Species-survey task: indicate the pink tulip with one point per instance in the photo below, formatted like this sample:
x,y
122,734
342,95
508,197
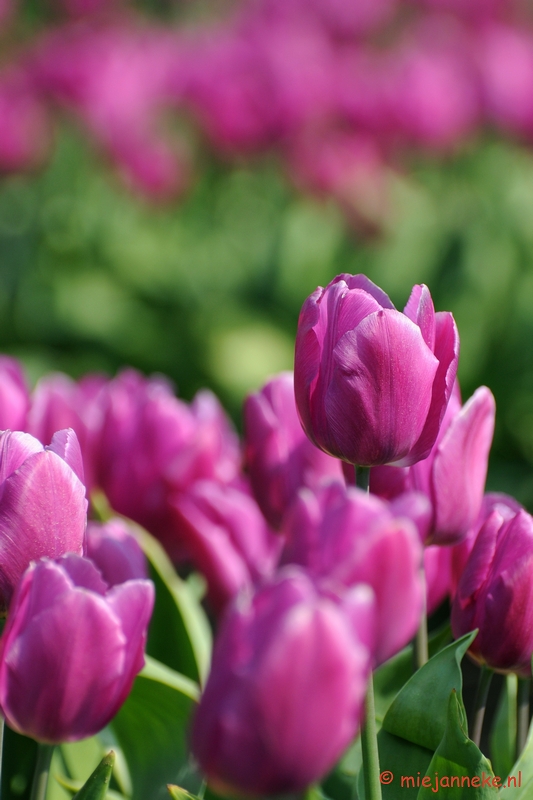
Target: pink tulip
x,y
226,538
495,594
345,537
60,402
279,456
285,692
114,549
372,384
71,649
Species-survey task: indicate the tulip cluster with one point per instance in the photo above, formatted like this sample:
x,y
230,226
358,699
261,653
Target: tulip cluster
x,y
314,582
341,89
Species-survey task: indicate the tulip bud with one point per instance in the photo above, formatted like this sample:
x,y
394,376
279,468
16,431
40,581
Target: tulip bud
x,y
71,649
42,503
154,445
285,693
453,475
505,505
279,456
495,594
226,537
113,548
372,384
59,402
344,537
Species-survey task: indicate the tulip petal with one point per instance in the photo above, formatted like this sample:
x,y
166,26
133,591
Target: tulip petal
x,y
43,513
447,353
66,445
421,311
383,424
460,468
15,447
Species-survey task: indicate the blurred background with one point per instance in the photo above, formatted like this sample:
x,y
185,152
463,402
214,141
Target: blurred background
x,y
176,176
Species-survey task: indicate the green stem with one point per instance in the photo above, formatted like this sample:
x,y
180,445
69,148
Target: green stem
x,y
485,677
421,640
42,770
522,714
369,744
362,478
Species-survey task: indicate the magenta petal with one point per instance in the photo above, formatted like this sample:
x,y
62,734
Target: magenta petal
x,y
375,426
460,467
43,513
361,281
421,311
447,353
15,447
66,445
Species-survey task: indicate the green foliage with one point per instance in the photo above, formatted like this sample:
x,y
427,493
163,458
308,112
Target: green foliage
x,y
96,786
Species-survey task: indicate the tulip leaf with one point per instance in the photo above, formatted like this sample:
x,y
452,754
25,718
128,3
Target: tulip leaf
x,y
177,793
503,734
419,712
95,788
519,784
179,633
458,768
152,727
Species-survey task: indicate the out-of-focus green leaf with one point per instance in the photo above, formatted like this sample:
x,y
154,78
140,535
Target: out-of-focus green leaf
x,y
152,729
419,713
177,793
179,634
458,768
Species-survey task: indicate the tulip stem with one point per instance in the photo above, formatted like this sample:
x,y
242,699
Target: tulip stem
x,y
522,714
369,745
362,478
480,703
42,770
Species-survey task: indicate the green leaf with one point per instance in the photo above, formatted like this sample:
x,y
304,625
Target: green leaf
x,y
519,784
177,793
179,633
419,712
503,735
458,770
97,784
152,728
397,759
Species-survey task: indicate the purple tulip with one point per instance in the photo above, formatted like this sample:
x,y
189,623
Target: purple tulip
x,y
495,594
372,384
14,396
226,536
42,503
506,506
453,475
285,692
59,402
114,549
154,446
345,537
71,649
279,456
